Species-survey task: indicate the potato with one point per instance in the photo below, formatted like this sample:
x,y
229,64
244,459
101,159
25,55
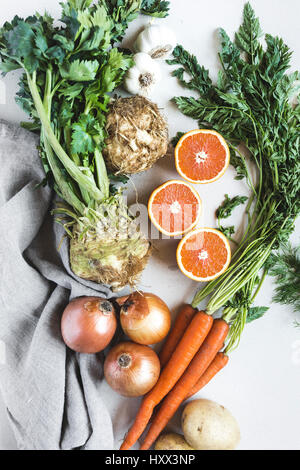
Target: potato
x,y
209,426
171,441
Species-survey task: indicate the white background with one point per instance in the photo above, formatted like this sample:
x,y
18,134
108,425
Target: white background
x,y
261,384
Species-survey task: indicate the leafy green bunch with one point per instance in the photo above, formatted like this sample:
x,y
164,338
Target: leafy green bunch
x,y
70,70
255,106
285,267
69,73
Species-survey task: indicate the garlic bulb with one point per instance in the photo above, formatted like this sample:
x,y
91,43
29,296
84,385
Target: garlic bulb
x,y
142,78
156,40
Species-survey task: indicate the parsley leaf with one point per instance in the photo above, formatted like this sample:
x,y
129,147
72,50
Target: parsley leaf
x,y
227,231
156,8
248,35
225,211
255,312
200,80
229,204
176,138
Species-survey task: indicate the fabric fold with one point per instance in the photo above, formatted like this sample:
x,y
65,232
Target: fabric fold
x,y
52,394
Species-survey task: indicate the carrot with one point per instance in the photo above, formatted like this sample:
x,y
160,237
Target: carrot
x,y
181,323
220,361
188,346
197,367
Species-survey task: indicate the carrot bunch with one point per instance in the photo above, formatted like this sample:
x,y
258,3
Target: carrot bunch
x,y
190,358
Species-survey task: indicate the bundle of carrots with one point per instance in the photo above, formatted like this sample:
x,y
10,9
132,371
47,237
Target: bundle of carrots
x,y
190,358
251,104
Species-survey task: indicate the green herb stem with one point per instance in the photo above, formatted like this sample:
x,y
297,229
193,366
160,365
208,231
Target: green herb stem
x,y
251,106
70,166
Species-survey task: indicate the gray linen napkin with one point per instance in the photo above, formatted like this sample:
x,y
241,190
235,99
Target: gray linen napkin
x,y
52,395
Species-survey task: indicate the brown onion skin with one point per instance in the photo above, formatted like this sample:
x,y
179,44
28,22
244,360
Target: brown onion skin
x,y
88,324
145,318
137,377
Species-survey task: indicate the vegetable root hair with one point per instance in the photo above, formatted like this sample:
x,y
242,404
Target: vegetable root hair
x,y
137,135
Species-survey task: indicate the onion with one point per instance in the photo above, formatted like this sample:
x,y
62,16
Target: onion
x,y
145,318
88,324
131,369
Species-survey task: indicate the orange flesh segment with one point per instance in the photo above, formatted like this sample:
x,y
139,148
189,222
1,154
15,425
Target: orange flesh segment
x,y
204,254
175,207
201,156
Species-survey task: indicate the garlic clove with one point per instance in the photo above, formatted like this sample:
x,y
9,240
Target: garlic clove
x,y
144,62
156,40
133,73
131,86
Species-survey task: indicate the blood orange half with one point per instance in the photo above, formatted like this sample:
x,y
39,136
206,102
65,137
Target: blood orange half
x,y
203,254
202,156
174,207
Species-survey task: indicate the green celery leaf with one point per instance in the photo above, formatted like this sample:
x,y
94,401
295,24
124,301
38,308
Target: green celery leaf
x,y
98,18
80,71
65,114
7,66
117,60
56,53
20,41
101,19
69,92
64,42
83,134
98,39
41,42
70,19
32,126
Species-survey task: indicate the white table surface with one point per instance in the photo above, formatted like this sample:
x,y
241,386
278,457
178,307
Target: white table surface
x,y
261,384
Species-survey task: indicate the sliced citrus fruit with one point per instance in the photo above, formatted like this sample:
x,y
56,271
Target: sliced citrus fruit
x,y
203,254
202,156
174,207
